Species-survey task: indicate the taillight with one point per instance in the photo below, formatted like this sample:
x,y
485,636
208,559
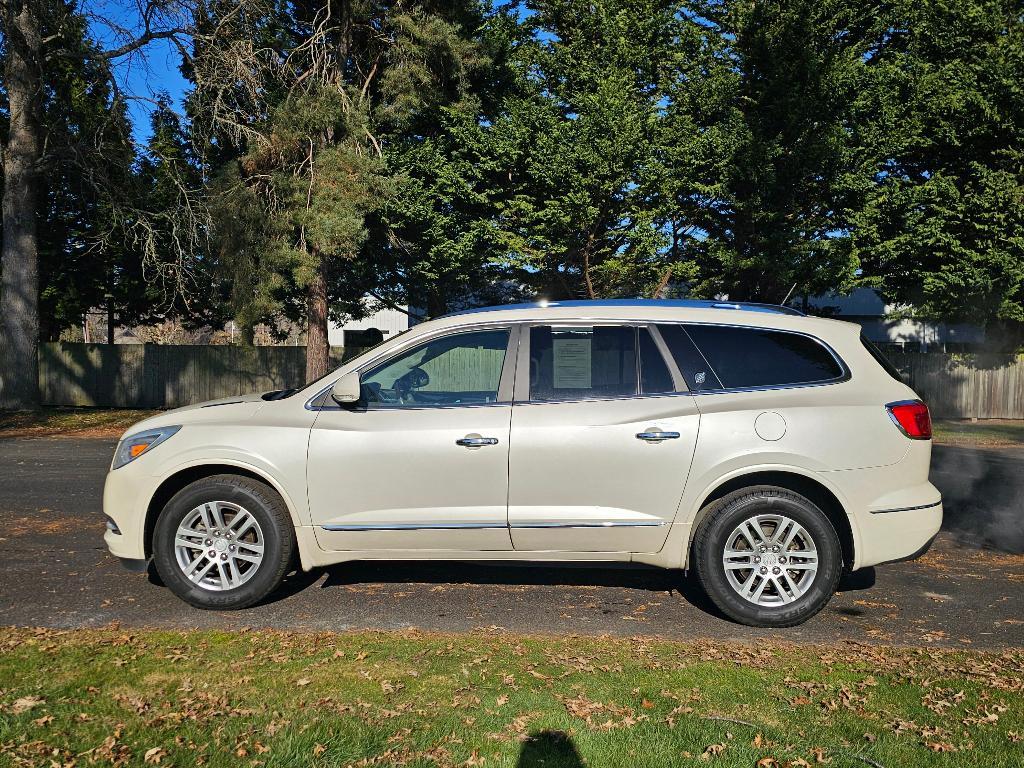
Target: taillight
x,y
912,417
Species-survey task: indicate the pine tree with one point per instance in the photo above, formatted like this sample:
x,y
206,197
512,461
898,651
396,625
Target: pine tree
x,y
788,169
326,94
577,146
66,157
943,227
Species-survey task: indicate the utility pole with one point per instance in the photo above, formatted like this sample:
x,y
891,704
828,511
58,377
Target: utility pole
x,y
110,317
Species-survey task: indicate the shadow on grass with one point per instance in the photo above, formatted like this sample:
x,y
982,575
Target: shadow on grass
x,y
550,749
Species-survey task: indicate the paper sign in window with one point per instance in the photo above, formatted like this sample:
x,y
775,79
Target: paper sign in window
x,y
572,362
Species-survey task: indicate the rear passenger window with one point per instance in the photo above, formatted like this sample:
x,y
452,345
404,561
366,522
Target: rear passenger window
x,y
757,357
695,369
580,362
654,375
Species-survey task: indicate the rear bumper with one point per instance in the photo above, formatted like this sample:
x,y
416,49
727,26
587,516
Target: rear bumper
x,y
915,555
900,533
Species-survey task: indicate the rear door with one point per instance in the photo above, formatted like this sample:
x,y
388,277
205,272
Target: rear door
x,y
603,433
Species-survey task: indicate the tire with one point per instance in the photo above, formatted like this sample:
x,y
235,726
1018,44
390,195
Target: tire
x,y
786,599
233,578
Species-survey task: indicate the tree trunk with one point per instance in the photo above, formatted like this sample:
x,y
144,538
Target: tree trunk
x,y
318,349
19,293
437,305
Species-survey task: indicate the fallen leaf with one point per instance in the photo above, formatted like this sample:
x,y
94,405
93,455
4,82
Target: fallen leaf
x,y
25,703
713,750
819,756
154,755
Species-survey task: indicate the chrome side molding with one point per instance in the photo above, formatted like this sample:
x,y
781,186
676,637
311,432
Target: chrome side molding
x,y
491,526
597,524
415,526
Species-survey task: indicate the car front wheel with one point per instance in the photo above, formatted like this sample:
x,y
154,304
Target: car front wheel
x,y
223,542
768,557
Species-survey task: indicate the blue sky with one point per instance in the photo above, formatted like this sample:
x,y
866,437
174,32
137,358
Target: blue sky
x,y
148,74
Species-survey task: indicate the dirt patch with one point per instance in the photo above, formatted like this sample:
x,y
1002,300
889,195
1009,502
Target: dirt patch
x,y
95,423
49,526
975,562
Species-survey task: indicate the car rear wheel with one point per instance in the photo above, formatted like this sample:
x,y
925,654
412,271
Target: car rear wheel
x,y
223,542
767,557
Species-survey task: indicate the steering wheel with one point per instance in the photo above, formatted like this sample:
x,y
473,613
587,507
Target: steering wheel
x,y
404,385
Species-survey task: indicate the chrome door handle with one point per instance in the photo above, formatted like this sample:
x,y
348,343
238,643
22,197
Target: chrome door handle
x,y
656,437
476,442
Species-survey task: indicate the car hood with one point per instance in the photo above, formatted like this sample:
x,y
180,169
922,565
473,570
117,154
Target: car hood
x,y
237,407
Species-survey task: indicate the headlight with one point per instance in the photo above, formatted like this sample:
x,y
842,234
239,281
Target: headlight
x,y
134,446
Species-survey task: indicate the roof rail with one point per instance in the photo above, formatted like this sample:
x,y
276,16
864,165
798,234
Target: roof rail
x,y
746,306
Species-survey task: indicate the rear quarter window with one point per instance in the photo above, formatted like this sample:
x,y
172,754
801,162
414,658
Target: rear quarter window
x,y
757,357
881,359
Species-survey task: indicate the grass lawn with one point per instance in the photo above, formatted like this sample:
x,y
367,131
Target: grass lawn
x,y
492,699
989,433
73,422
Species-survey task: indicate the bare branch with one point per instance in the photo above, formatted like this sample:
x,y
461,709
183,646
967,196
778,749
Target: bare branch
x,y
140,42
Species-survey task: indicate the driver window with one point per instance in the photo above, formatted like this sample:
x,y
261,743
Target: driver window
x,y
458,369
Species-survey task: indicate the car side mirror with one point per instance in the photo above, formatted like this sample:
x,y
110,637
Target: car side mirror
x,y
347,389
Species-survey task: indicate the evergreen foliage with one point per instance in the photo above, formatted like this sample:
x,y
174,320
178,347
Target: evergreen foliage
x,y
435,153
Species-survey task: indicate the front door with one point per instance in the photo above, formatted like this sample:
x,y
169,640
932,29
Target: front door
x,y
602,440
421,462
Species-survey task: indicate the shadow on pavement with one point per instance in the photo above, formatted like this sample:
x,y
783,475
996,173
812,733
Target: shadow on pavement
x,y
444,572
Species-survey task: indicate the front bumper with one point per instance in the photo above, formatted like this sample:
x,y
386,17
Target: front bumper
x,y
124,495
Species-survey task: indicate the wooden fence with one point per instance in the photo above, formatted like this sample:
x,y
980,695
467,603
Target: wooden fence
x,y
984,386
165,376
965,386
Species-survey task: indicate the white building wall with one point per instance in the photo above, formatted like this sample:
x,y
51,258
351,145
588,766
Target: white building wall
x,y
390,322
865,307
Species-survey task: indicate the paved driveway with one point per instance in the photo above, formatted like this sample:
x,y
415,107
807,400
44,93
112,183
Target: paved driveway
x,y
968,591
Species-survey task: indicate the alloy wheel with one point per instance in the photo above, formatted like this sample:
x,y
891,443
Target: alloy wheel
x,y
770,560
219,546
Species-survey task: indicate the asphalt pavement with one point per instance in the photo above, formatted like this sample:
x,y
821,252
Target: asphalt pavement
x,y
968,591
